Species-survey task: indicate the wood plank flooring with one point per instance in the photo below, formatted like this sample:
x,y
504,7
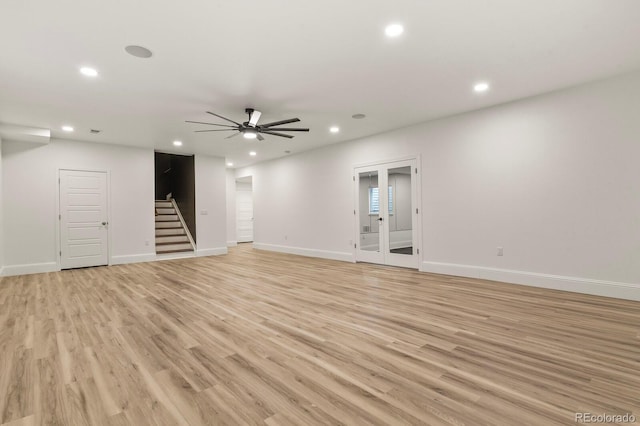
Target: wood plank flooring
x,y
272,339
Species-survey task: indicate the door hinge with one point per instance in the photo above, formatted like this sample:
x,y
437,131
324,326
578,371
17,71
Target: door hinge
x,y
354,178
416,211
416,170
60,253
418,251
355,246
354,212
59,217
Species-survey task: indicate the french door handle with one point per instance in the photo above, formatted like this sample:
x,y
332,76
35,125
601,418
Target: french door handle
x,y
380,219
105,223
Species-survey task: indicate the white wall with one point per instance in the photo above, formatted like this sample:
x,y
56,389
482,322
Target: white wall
x,y
1,219
211,205
552,179
30,191
232,240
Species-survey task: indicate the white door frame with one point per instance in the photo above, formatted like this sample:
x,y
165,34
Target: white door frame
x,y
58,212
382,257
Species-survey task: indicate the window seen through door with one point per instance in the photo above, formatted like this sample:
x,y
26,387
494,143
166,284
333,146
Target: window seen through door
x,y
374,200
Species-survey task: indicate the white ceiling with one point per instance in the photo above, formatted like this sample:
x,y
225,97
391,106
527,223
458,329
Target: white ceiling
x,y
321,61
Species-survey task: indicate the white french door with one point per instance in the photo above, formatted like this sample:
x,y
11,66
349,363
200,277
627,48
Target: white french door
x,y
387,213
83,219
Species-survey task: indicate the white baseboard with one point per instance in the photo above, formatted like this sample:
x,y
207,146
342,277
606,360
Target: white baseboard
x,y
217,251
33,268
133,258
324,254
232,243
557,282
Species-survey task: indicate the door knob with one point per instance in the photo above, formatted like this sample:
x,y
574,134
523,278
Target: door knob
x,y
380,219
105,223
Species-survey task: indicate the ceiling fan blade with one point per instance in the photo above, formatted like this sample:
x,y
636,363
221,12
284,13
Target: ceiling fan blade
x,y
232,136
217,130
282,129
210,124
266,132
259,136
255,116
224,118
277,123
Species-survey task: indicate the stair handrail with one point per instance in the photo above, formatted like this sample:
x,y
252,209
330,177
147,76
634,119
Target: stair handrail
x,y
184,225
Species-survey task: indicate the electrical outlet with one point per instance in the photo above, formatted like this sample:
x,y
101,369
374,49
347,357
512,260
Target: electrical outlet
x,y
500,251
204,212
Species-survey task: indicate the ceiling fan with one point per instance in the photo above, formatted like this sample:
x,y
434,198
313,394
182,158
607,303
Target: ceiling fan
x,y
250,129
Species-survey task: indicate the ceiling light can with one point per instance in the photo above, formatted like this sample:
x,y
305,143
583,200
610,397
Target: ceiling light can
x,y
394,30
89,72
481,87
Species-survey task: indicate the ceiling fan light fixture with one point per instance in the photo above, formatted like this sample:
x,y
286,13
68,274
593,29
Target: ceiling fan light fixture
x,y
249,134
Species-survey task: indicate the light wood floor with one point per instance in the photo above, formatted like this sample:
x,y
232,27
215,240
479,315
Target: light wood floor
x,y
265,338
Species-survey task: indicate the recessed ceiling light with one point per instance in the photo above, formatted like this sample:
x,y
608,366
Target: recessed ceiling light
x,y
481,87
67,128
138,51
177,143
253,153
229,164
89,72
334,129
358,116
394,30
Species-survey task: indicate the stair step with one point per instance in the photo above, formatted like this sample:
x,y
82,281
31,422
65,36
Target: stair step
x,y
166,217
168,225
169,231
162,210
163,204
172,239
166,248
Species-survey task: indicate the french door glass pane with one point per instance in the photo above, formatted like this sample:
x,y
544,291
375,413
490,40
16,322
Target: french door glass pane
x,y
399,232
369,199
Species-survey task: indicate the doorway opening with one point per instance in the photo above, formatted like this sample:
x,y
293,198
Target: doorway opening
x,y
175,205
244,209
387,213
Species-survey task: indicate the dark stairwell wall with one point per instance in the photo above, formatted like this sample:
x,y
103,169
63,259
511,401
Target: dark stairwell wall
x,y
175,174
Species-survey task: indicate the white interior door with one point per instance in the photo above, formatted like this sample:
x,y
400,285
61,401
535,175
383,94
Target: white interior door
x,y
387,214
244,213
83,219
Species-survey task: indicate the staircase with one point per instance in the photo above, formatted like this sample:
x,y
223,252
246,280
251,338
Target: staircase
x,y
171,233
